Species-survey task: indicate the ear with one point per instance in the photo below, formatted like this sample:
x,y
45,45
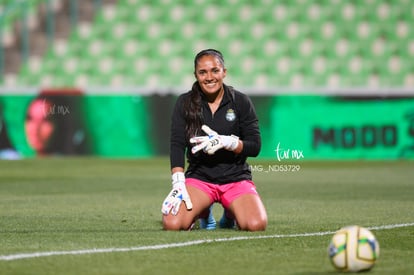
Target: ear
x,y
224,72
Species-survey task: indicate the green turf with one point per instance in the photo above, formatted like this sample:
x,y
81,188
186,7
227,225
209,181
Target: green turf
x,y
57,204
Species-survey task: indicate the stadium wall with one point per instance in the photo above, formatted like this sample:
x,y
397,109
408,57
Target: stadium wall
x,y
294,127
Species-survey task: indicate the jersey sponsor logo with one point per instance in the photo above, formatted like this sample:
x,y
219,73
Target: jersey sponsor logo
x,y
230,115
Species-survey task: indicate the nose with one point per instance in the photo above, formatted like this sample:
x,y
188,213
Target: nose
x,y
209,76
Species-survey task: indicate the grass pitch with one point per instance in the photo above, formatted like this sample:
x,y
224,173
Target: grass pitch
x,y
102,216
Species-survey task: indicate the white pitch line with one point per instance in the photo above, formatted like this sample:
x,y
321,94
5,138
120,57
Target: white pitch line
x,y
13,257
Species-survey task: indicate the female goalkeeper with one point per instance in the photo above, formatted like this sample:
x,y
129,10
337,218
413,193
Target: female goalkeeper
x,y
216,127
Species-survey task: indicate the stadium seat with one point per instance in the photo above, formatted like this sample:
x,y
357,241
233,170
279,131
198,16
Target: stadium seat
x,y
265,43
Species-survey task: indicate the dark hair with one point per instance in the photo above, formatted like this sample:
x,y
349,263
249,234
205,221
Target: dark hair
x,y
192,105
212,52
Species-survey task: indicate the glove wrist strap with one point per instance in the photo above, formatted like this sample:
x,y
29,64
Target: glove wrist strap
x,y
178,177
234,143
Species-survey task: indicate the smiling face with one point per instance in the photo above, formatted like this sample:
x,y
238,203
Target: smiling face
x,y
210,72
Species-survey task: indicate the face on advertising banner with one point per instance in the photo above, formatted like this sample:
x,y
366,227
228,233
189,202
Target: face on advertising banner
x,y
53,125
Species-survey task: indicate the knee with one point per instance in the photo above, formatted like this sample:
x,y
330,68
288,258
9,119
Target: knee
x,y
170,224
252,225
173,224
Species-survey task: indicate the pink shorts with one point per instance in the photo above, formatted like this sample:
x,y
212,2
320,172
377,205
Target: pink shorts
x,y
226,193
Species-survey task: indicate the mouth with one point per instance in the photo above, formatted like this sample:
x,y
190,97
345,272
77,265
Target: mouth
x,y
210,85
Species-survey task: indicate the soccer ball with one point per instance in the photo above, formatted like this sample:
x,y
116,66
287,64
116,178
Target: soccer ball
x,y
353,248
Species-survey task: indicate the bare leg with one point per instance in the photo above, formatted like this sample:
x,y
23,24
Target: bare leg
x,y
185,218
249,212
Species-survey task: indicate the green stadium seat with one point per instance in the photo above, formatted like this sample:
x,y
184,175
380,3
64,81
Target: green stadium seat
x,y
275,43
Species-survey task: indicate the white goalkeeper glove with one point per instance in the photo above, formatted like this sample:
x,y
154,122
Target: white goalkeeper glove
x,y
178,194
213,142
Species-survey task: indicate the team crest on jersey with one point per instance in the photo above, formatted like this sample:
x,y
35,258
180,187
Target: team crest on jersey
x,y
230,115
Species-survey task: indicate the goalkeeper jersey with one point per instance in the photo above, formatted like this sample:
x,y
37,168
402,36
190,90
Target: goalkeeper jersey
x,y
236,115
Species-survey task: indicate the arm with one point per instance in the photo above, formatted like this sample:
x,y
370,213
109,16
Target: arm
x,y
249,128
178,141
239,147
177,145
177,169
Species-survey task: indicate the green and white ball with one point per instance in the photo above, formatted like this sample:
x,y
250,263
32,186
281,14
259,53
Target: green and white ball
x,y
353,248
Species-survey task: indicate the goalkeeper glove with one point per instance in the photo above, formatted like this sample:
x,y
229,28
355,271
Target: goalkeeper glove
x,y
178,194
213,142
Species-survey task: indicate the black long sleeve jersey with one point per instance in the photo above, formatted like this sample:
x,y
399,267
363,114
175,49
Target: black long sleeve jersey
x,y
236,115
